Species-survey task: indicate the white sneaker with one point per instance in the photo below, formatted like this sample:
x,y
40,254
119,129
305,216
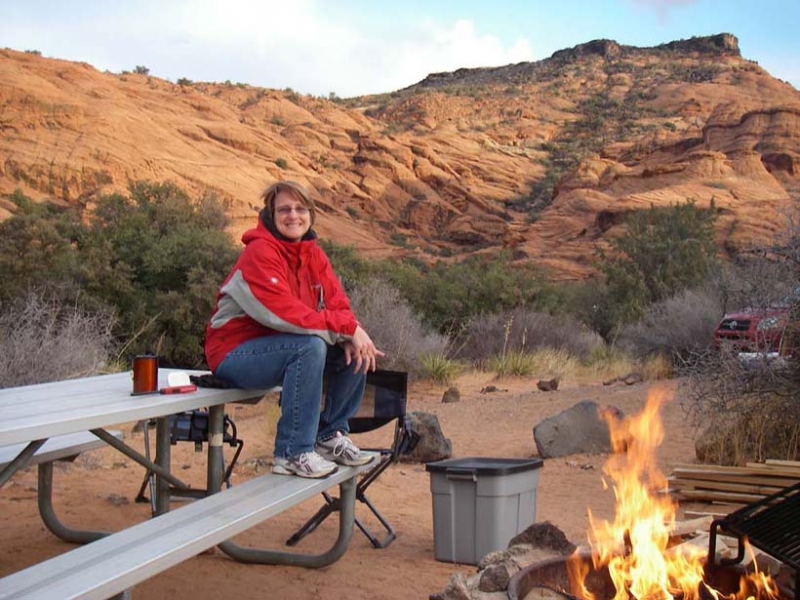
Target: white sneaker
x,y
307,464
341,449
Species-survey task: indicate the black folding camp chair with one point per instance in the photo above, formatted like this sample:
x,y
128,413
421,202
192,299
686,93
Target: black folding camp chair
x,y
190,426
384,402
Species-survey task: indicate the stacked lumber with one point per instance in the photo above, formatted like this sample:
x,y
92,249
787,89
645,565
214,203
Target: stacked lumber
x,y
732,485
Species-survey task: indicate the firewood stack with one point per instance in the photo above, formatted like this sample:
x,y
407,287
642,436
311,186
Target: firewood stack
x,y
732,485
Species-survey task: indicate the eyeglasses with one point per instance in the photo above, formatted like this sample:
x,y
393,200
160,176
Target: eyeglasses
x,y
285,211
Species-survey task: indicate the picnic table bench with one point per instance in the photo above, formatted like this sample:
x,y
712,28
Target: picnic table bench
x,y
109,566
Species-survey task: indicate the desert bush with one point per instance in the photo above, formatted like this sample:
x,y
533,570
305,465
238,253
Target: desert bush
x,y
662,252
525,330
439,368
745,407
655,367
45,340
351,269
394,328
606,362
752,434
679,326
754,280
38,250
610,362
742,409
155,257
166,254
549,363
512,364
449,295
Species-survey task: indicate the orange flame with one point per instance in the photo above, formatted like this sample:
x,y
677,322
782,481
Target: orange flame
x,y
634,547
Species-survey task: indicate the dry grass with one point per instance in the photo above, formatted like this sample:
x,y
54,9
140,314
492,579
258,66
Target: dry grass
x,y
438,368
559,364
42,340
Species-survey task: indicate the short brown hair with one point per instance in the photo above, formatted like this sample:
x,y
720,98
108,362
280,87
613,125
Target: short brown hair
x,y
295,190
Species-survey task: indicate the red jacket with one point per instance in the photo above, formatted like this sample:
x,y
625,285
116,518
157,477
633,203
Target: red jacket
x,y
278,287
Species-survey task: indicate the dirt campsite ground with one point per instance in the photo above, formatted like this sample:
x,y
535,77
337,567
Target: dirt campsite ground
x,y
98,490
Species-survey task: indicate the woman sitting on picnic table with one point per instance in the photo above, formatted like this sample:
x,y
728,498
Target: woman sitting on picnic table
x,y
282,318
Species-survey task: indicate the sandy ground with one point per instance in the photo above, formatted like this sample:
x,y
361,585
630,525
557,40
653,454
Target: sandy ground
x,y
98,491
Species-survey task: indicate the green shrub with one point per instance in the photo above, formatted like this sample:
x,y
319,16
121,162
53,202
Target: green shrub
x,y
449,295
155,258
281,163
39,250
662,252
437,367
351,269
398,239
512,364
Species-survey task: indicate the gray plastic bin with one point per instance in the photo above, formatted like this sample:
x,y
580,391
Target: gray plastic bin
x,y
479,504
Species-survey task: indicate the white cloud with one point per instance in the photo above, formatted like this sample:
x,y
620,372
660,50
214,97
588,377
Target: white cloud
x,y
293,44
408,56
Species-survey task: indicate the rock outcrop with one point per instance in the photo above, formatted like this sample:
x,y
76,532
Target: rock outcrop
x,y
462,162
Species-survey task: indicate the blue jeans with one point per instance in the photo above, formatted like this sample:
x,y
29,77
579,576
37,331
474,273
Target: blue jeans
x,y
298,363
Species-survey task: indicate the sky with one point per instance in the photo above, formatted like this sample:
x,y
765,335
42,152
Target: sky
x,y
356,47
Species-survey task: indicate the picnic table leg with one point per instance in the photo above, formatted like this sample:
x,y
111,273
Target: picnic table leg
x,y
20,461
347,511
162,494
216,458
48,514
347,496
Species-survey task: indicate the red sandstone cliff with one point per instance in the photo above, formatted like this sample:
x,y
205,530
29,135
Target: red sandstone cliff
x,y
453,165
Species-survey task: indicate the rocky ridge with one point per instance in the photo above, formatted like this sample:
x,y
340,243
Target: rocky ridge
x,y
543,159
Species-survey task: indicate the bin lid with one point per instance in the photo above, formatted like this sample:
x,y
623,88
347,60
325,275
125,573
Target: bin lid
x,y
485,466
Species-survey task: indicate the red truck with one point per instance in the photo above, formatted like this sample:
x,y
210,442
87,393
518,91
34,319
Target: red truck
x,y
754,330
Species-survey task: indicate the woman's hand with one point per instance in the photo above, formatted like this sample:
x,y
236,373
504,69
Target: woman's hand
x,y
362,351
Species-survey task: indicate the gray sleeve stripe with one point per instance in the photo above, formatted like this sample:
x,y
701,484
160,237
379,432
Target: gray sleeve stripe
x,y
240,293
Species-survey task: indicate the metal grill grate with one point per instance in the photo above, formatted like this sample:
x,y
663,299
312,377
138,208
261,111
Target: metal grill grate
x,y
771,524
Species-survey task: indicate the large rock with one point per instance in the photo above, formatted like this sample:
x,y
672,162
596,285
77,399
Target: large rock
x,y
432,444
577,430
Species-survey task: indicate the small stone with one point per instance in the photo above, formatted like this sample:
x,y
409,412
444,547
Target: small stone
x,y
451,395
633,379
548,385
117,499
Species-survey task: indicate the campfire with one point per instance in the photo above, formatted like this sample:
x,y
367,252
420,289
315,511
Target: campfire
x,y
634,556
